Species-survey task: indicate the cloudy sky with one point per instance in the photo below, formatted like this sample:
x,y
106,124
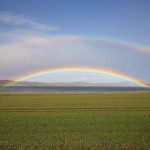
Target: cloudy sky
x,y
41,34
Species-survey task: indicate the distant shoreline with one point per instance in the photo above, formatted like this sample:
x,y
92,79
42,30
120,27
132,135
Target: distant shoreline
x,y
68,93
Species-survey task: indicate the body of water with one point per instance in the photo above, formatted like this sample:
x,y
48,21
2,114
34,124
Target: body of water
x,y
70,89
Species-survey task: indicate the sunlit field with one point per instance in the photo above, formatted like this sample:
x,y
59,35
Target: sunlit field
x,y
75,121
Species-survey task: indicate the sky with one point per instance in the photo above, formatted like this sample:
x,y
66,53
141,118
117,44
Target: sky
x,y
41,34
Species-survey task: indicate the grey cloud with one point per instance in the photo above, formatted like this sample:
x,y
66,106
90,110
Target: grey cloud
x,y
20,20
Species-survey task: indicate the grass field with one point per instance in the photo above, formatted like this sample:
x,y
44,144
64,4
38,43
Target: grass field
x,y
75,121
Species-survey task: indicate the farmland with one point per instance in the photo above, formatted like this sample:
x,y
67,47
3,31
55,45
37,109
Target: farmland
x,y
75,121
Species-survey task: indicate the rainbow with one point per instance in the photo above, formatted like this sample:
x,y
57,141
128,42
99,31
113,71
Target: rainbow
x,y
78,69
64,38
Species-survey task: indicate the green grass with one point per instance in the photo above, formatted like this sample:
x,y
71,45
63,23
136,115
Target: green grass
x,y
75,121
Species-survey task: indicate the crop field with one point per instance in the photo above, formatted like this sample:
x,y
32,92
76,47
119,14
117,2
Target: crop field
x,y
87,121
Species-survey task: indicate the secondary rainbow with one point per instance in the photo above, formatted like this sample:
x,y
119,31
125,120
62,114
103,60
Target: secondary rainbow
x,y
78,69
67,38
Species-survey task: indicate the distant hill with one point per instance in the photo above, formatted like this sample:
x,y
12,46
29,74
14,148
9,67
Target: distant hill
x,y
26,83
3,82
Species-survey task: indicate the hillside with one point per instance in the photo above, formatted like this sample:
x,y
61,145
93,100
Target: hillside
x,y
26,83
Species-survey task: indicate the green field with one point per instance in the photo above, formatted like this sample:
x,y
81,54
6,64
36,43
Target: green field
x,y
75,121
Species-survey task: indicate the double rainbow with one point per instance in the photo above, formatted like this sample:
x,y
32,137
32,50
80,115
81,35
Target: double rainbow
x,y
80,70
63,38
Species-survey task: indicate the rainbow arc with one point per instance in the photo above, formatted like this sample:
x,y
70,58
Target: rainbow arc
x,y
68,38
78,69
